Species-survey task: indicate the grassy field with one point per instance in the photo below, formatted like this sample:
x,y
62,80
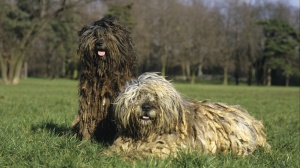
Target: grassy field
x,y
36,116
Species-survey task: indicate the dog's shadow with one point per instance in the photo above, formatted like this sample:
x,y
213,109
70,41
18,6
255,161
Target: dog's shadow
x,y
52,127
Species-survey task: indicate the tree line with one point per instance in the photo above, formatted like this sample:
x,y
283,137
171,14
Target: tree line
x,y
254,41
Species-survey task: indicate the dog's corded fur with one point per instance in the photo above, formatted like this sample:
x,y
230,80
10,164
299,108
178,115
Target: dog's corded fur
x,y
108,60
154,119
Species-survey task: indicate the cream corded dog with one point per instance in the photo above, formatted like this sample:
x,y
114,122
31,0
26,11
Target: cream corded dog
x,y
153,119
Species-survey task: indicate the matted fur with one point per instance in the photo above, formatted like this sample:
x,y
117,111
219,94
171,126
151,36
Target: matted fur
x,y
154,119
102,76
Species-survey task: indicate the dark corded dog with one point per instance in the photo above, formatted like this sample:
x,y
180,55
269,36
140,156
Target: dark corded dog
x,y
108,60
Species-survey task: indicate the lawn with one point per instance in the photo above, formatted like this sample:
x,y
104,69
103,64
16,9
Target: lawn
x,y
36,116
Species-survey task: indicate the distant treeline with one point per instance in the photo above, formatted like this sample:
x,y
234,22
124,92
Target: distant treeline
x,y
256,41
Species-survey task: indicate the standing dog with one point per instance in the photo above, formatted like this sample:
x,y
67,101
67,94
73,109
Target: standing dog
x,y
108,60
154,119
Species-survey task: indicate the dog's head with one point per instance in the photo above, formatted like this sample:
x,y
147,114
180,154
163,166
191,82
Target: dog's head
x,y
149,104
105,41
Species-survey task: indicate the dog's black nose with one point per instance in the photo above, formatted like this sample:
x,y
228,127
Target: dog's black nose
x,y
99,44
146,107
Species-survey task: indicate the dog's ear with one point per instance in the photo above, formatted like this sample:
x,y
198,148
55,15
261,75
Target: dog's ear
x,y
106,22
85,28
110,18
82,31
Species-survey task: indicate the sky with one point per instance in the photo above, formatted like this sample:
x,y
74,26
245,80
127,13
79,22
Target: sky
x,y
295,3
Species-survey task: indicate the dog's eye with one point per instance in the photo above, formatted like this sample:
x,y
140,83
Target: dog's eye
x,y
146,107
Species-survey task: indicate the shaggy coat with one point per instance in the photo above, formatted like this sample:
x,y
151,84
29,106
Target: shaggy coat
x,y
107,60
154,119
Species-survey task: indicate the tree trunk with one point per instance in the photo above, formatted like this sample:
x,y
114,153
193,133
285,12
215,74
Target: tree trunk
x,y
225,77
164,62
17,71
183,70
11,70
193,77
163,70
249,78
200,73
188,69
269,77
4,69
237,77
64,68
237,80
287,80
25,70
237,73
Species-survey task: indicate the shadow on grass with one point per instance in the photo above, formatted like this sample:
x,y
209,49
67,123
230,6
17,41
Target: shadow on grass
x,y
59,130
52,127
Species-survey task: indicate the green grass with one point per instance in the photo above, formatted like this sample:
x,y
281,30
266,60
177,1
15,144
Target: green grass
x,y
36,116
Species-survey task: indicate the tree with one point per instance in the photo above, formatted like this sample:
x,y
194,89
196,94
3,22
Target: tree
x,y
227,33
54,52
22,21
251,38
280,47
202,36
163,38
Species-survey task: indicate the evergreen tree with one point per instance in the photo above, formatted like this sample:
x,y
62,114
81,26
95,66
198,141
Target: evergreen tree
x,y
280,48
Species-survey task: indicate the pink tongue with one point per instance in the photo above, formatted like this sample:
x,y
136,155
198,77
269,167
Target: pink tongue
x,y
101,53
145,117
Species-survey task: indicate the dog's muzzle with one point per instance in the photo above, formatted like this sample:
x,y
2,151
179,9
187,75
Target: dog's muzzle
x,y
100,49
148,113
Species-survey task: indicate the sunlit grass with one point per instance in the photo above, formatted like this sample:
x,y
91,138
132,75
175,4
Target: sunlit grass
x,y
36,116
